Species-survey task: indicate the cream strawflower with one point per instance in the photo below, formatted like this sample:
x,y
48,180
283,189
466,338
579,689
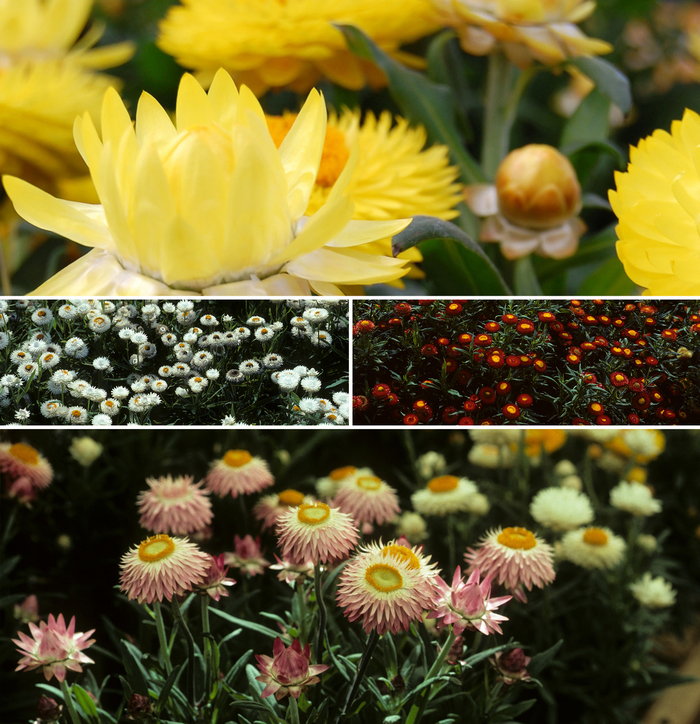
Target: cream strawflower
x,y
445,495
653,592
368,499
431,464
646,445
238,473
388,587
486,455
207,205
85,450
270,507
634,498
593,548
514,557
174,505
329,485
23,461
315,532
162,567
561,508
413,527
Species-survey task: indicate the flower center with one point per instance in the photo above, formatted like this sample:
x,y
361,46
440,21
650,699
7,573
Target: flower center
x,y
340,473
77,413
25,453
156,547
369,482
404,554
595,537
383,577
291,498
443,484
313,513
237,458
518,538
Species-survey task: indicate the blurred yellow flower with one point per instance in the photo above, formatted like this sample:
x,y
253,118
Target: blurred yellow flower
x,y
46,80
543,30
290,43
657,202
207,204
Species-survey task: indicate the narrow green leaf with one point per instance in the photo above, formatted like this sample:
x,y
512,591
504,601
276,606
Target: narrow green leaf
x,y
7,566
258,628
602,147
610,81
85,703
476,658
135,672
609,279
167,686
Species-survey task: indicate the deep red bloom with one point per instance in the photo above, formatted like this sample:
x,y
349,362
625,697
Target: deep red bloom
x,y
466,421
360,402
619,379
365,325
380,391
603,420
651,361
641,401
454,351
470,406
509,319
631,334
392,400
450,415
580,421
463,377
600,342
451,310
525,326
428,350
595,408
590,319
573,359
495,359
492,326
450,365
513,360
589,378
627,353
402,308
588,347
604,319
395,322
525,360
556,327
464,339
636,384
656,396
411,419
546,316
633,419
619,322
429,384
503,388
511,411
483,340
487,395
540,365
616,351
524,400
443,341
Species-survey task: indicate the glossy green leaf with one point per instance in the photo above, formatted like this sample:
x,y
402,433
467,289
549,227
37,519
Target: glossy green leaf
x,y
85,703
609,279
590,123
167,686
609,81
135,672
250,625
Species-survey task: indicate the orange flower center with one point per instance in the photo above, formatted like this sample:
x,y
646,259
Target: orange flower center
x,y
383,577
156,547
595,537
291,498
369,482
443,484
518,538
313,513
237,458
340,473
403,553
25,453
77,413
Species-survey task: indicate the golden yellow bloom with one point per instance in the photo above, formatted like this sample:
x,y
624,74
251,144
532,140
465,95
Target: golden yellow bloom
x,y
657,203
533,205
543,30
290,43
46,80
207,204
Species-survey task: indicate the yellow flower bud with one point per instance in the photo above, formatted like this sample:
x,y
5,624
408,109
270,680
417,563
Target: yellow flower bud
x,y
537,187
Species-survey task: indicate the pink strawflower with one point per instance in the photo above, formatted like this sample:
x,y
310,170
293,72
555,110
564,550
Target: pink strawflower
x,y
22,489
467,605
22,460
291,572
54,648
270,507
514,557
247,556
368,499
511,666
215,583
315,532
238,473
288,672
28,610
162,567
174,505
388,587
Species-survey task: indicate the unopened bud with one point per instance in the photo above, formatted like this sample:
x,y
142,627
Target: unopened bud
x,y
139,707
48,709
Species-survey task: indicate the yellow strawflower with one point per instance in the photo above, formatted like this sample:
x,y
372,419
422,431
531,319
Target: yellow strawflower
x,y
544,30
207,204
657,203
290,43
46,80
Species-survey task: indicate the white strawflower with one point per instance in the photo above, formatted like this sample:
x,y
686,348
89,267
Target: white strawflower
x,y
110,406
100,323
341,398
85,450
309,405
634,498
647,543
479,504
212,374
429,464
242,333
49,360
486,455
147,350
4,340
202,360
76,415
139,338
95,394
42,316
22,415
159,386
102,364
491,436
273,361
249,367
648,444
311,384
264,334
593,548
571,481
184,305
126,333
321,339
120,393
181,392
75,347
169,339
413,526
653,592
27,370
561,509
287,380
256,321
301,370
564,468
444,495
208,320
68,311
315,315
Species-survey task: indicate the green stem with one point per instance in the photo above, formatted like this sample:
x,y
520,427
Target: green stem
x,y
208,673
414,716
294,710
67,697
190,650
319,638
496,131
7,533
525,281
372,641
160,628
451,542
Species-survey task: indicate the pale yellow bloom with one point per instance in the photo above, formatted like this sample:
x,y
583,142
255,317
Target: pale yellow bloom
x,y
544,30
207,204
279,43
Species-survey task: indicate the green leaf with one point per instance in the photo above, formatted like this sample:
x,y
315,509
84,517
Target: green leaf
x,y
419,99
167,686
602,147
608,279
7,566
589,124
525,279
85,703
135,672
609,81
453,261
476,658
258,628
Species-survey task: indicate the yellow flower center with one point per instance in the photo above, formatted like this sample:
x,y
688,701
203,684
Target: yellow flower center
x,y
340,473
404,554
156,547
313,513
77,413
48,357
41,313
518,538
291,498
237,458
335,151
443,484
369,482
25,453
595,537
383,577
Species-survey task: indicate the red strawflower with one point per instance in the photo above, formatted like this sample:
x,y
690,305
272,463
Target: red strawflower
x,y
503,388
513,360
511,411
556,327
619,322
392,400
589,378
525,361
524,400
573,359
365,325
641,401
402,308
443,341
525,326
450,365
652,361
603,420
428,350
483,340
546,316
492,326
395,322
451,310
619,379
495,359
411,419
627,353
464,339
470,406
380,391
509,319
540,365
588,346
633,419
454,351
595,408
604,319
360,402
590,319
487,395
669,334
616,351
463,377
600,342
636,385
466,421
450,415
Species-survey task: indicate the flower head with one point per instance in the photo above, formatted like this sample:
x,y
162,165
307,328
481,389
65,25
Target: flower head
x,y
215,583
247,556
270,507
224,206
653,592
467,604
561,508
238,473
387,586
634,498
54,648
368,499
511,665
174,505
315,532
515,557
289,671
290,572
85,450
593,548
23,461
162,567
444,495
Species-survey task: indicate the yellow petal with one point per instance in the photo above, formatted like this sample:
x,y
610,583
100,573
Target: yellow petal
x,y
152,122
115,118
184,259
364,232
223,97
108,56
346,266
193,107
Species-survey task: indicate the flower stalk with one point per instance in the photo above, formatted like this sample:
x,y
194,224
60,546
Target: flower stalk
x,y
68,698
372,641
